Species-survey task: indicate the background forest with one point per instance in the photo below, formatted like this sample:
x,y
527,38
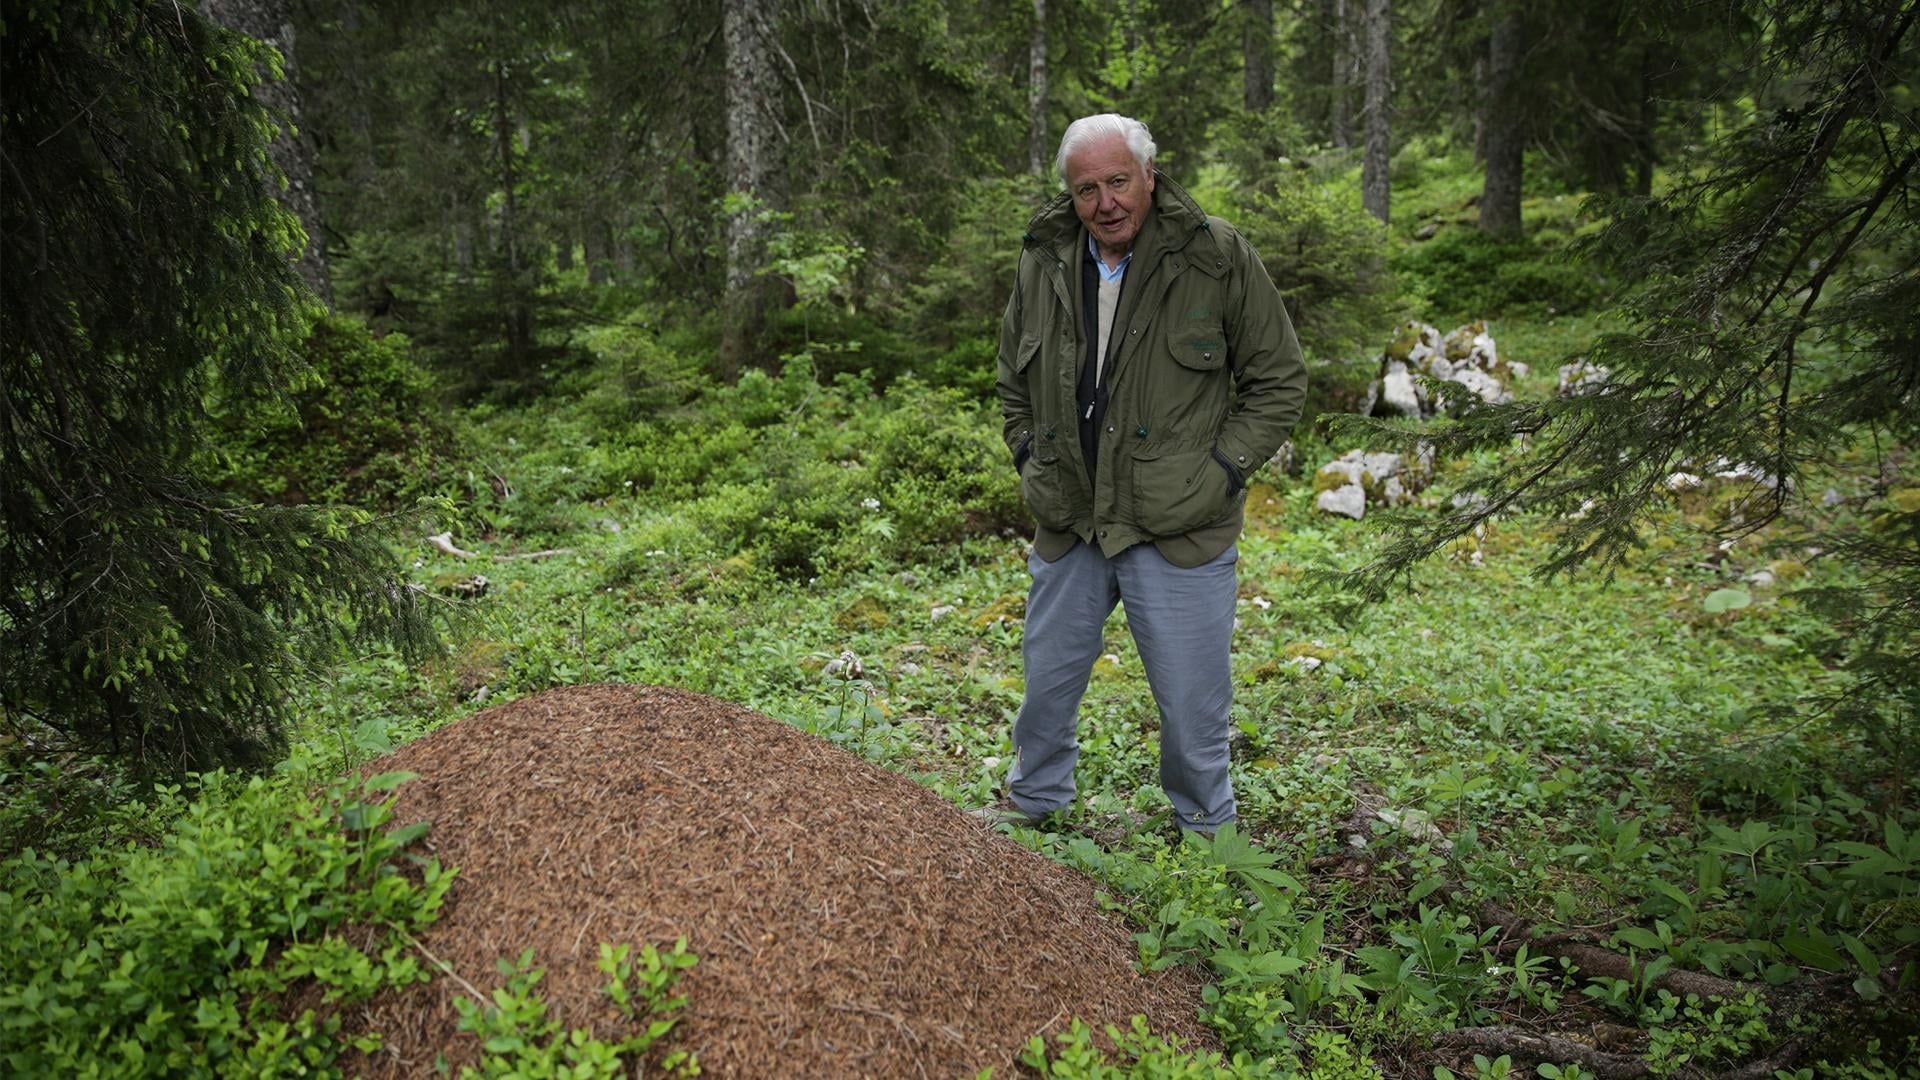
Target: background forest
x,y
672,324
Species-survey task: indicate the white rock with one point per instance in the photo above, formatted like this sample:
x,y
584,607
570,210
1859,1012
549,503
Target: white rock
x,y
1581,377
1483,384
1350,500
1399,393
1416,824
940,612
1761,578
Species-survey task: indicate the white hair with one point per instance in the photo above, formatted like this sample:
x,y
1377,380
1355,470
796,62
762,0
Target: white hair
x,y
1090,129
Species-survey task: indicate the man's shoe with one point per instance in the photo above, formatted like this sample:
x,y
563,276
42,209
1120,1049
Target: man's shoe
x,y
1004,811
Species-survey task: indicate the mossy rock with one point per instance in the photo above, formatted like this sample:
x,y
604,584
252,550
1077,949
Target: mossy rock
x,y
1888,918
865,613
1403,342
1330,480
1787,569
1008,608
1309,648
1266,509
1905,499
1459,344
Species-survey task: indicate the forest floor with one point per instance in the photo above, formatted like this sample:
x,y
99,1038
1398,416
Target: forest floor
x,y
1496,814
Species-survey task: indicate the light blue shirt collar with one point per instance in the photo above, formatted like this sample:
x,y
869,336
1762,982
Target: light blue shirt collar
x,y
1100,264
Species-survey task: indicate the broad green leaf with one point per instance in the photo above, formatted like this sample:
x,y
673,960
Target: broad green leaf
x,y
1815,950
1862,955
387,781
1723,600
1639,937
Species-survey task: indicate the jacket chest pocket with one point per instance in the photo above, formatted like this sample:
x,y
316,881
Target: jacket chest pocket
x,y
1198,348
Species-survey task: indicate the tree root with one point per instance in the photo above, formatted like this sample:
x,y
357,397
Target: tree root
x,y
1494,1041
1594,961
1526,1045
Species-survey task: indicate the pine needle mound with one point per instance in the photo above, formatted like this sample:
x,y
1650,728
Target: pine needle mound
x,y
848,921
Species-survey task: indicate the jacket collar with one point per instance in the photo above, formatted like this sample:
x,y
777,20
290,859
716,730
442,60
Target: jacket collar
x,y
1174,220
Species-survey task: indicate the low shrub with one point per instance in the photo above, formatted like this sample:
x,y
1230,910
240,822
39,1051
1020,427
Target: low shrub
x,y
1464,274
365,425
179,960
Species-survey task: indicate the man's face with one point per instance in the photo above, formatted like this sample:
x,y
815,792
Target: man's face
x,y
1111,193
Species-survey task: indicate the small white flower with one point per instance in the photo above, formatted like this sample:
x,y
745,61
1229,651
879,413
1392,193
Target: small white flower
x,y
871,504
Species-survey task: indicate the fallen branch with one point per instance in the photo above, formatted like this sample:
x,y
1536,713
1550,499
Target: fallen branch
x,y
448,970
1594,961
443,542
1545,1048
547,554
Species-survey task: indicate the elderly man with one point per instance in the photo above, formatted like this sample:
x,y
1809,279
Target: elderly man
x,y
1147,366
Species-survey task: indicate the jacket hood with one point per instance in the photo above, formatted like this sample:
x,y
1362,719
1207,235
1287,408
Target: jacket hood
x,y
1056,226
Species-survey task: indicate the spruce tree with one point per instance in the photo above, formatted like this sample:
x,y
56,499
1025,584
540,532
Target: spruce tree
x,y
1772,313
143,263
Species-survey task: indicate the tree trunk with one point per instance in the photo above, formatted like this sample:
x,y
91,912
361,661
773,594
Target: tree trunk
x,y
1340,118
1643,133
1375,186
1037,92
593,249
752,89
1500,197
519,315
1257,47
271,21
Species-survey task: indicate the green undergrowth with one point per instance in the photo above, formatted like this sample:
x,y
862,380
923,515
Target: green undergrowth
x,y
184,958
229,945
1620,761
1647,762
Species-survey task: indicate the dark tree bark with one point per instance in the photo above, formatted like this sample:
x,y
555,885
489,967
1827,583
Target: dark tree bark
x,y
1257,46
1505,125
1037,92
271,21
752,92
594,250
1375,185
519,314
1340,118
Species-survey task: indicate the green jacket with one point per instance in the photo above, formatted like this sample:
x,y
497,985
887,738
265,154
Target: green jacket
x,y
1204,377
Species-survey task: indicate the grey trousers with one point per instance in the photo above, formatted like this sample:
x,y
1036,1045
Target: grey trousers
x,y
1182,621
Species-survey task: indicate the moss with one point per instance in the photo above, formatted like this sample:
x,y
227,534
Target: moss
x,y
1330,480
865,613
1404,341
1315,649
1787,569
1012,607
